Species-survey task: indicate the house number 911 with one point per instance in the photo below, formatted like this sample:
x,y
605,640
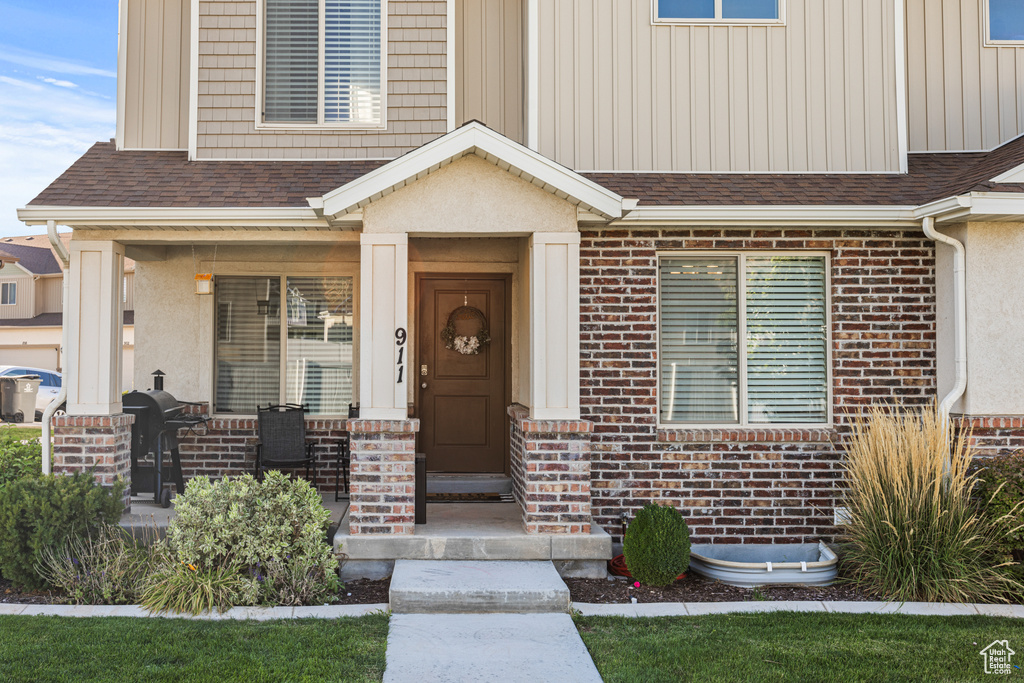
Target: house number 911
x,y
400,338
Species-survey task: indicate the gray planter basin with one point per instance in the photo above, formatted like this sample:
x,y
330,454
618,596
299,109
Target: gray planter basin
x,y
802,564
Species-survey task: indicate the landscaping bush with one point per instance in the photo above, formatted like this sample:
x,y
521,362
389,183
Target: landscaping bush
x,y
176,587
914,532
271,532
43,512
1000,493
657,545
19,457
108,567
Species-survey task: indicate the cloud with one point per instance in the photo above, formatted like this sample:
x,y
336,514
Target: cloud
x,y
58,83
36,60
44,128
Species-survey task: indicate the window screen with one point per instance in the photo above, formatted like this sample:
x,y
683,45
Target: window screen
x,y
1006,20
291,72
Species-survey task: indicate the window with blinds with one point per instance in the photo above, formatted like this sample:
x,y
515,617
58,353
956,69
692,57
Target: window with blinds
x,y
307,321
323,62
778,306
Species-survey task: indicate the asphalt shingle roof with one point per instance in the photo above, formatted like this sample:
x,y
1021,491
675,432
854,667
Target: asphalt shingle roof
x,y
106,177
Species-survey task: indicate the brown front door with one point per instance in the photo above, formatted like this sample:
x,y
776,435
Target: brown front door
x,y
462,398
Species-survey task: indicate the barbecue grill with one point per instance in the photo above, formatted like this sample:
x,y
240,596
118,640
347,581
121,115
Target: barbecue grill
x,y
155,457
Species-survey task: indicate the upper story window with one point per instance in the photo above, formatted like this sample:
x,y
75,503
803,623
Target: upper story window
x,y
744,339
745,11
9,293
1006,21
323,63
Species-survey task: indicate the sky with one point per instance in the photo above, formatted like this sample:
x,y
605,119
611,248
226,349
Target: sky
x,y
58,69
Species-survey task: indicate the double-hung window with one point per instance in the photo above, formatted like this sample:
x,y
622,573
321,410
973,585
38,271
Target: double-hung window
x,y
686,11
744,339
284,340
9,293
323,63
1005,21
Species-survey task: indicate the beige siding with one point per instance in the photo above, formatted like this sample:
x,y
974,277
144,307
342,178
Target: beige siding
x,y
962,95
49,295
416,99
816,94
489,64
25,306
155,50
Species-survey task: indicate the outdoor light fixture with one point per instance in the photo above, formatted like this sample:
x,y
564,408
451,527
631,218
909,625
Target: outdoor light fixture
x,y
263,306
204,283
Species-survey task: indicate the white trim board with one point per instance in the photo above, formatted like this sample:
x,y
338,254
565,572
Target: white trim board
x,y
474,138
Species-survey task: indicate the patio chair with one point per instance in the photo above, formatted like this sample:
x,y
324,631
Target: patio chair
x,y
282,441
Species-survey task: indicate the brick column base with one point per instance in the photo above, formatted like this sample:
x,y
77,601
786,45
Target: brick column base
x,y
100,444
383,480
551,473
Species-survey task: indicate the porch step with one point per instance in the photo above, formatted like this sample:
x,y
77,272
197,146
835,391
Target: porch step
x,y
474,587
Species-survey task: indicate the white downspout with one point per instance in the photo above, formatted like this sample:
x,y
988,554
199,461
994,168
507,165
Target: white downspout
x,y
62,395
959,314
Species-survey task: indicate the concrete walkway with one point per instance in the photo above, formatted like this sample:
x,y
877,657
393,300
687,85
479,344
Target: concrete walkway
x,y
445,648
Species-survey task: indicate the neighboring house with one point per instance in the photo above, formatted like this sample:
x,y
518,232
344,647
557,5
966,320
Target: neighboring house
x,y
31,288
697,243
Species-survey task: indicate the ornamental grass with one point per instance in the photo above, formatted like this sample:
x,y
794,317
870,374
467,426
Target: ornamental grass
x,y
914,532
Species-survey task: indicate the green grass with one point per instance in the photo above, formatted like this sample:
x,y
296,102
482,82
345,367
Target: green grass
x,y
25,433
122,649
787,646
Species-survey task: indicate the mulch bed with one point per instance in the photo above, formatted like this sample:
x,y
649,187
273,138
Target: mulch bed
x,y
364,592
9,594
694,588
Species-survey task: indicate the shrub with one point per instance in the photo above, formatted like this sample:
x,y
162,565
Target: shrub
x,y
18,458
274,529
109,567
914,532
1000,493
176,587
657,545
42,512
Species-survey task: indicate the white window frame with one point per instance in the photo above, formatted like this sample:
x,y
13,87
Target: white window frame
x,y
719,20
10,286
987,28
261,42
741,331
282,392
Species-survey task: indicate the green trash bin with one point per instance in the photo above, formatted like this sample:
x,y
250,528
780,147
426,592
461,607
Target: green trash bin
x,y
18,397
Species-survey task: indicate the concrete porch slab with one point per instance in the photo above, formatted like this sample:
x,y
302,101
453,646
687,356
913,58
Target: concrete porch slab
x,y
476,587
473,531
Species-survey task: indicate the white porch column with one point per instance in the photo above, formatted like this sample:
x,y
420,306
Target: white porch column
x,y
385,368
95,317
555,326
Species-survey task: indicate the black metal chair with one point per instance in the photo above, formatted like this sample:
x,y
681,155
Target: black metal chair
x,y
282,441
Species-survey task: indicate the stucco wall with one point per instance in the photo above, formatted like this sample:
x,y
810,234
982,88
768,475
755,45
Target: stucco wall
x,y
995,319
470,195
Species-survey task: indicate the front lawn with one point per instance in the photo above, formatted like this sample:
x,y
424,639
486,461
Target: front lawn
x,y
25,433
787,646
123,649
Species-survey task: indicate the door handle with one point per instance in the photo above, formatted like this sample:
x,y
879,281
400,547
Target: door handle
x,y
423,370
423,386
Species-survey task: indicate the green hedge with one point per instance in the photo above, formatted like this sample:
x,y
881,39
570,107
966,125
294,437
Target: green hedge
x,y
657,545
42,512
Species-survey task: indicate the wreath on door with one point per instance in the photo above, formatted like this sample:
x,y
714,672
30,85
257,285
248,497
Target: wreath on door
x,y
467,345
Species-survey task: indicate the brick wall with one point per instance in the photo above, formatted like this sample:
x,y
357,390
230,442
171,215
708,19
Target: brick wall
x,y
227,446
751,486
382,497
97,443
551,473
993,435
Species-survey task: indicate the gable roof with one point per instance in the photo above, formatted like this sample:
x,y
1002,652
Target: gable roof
x,y
473,138
34,256
104,177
